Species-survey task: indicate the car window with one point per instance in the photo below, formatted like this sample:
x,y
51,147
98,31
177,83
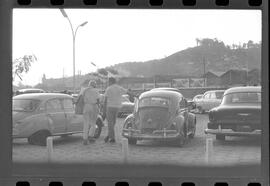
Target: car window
x,y
25,105
206,96
213,95
242,97
53,105
68,104
219,95
154,101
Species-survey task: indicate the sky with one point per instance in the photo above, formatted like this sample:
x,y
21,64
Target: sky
x,y
116,36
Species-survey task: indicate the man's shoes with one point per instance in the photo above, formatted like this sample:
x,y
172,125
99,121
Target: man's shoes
x,y
112,140
85,142
106,139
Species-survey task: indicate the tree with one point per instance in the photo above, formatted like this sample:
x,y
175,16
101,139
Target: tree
x,y
113,71
22,65
102,71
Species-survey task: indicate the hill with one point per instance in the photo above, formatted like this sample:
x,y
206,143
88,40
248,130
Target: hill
x,y
209,52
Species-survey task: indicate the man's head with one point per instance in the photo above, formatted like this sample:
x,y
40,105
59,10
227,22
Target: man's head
x,y
112,81
92,84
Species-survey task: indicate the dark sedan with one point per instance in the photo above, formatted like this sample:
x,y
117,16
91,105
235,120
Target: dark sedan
x,y
239,113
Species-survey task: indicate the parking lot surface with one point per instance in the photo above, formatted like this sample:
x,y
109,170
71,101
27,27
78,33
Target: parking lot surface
x,y
235,150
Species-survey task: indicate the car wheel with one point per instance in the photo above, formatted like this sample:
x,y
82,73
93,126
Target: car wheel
x,y
39,138
132,141
220,137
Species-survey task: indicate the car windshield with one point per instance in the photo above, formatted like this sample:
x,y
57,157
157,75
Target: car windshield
x,y
198,97
25,105
154,101
242,97
219,95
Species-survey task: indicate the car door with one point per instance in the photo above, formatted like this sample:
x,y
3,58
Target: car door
x,y
74,121
56,116
205,101
212,101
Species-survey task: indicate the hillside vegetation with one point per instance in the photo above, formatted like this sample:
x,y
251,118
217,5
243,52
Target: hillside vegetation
x,y
211,52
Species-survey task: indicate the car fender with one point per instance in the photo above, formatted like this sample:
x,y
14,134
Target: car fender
x,y
33,124
180,124
191,120
129,118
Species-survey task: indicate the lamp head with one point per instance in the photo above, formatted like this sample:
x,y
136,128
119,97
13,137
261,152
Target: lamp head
x,y
63,12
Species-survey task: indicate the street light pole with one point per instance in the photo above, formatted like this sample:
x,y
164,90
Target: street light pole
x,y
73,42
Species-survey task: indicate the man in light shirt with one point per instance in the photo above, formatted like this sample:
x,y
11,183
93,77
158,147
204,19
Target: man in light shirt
x,y
113,102
90,112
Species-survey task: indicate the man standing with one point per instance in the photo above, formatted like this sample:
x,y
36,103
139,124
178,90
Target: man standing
x,y
113,102
90,112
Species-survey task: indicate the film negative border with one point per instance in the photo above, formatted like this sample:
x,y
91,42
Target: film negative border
x,y
13,173
171,4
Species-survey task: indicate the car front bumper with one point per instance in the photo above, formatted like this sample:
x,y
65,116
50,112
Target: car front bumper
x,y
156,135
229,132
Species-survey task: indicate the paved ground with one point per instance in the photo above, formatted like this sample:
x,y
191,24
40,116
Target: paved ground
x,y
232,151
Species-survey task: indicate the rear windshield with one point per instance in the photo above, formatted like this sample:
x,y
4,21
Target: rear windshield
x,y
154,101
242,97
25,105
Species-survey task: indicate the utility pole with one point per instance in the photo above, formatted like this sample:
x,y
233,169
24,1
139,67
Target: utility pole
x,y
204,71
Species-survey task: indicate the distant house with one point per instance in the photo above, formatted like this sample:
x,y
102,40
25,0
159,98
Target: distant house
x,y
233,77
254,77
212,78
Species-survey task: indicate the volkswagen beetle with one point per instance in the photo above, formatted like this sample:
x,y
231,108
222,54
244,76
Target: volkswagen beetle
x,y
160,115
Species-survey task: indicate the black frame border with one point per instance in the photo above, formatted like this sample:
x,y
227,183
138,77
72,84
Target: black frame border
x,y
12,172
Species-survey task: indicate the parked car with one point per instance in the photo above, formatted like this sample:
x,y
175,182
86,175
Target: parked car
x,y
29,90
197,99
39,115
190,101
209,100
127,106
239,113
160,115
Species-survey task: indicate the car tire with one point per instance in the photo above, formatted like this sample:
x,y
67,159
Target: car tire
x,y
220,137
132,141
39,138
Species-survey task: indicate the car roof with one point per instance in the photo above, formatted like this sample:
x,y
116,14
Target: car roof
x,y
214,91
42,96
30,89
161,93
166,88
243,89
